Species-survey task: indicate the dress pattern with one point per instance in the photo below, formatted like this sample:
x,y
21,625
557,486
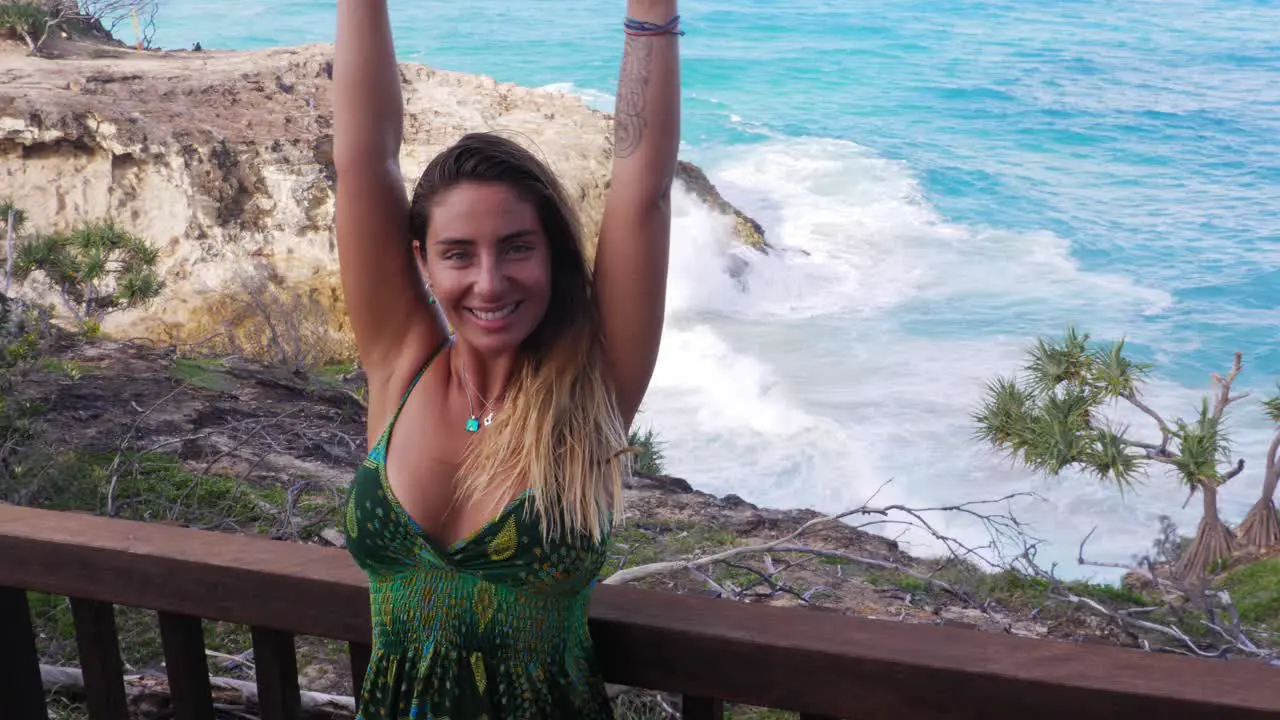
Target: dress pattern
x,y
493,626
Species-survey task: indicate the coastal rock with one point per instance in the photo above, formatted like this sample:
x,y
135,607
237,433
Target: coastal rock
x,y
696,181
223,160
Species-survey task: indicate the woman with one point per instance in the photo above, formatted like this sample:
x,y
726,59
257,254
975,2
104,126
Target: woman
x,y
482,511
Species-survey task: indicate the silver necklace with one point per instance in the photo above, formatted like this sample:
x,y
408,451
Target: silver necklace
x,y
473,422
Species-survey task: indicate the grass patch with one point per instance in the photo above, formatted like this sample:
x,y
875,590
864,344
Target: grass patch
x,y
203,373
148,487
1013,590
156,487
637,544
68,368
1255,589
138,629
333,373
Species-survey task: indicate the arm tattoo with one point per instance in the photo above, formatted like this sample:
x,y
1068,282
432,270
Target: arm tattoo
x,y
633,83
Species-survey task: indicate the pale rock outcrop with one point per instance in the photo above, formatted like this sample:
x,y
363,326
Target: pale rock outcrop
x,y
223,160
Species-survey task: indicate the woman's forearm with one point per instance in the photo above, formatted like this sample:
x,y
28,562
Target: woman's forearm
x,y
368,110
647,114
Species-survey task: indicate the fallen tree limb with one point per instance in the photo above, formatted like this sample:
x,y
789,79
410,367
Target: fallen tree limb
x,y
660,568
69,679
997,524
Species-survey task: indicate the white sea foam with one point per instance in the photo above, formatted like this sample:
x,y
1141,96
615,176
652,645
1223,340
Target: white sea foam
x,y
843,360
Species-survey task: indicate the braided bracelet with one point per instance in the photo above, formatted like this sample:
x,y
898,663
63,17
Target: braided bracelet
x,y
640,28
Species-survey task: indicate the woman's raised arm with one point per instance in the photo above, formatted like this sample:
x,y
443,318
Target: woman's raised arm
x,y
385,295
635,232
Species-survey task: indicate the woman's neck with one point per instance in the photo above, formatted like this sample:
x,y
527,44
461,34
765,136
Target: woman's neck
x,y
484,377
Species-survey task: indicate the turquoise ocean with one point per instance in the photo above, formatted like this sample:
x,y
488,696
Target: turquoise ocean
x,y
944,181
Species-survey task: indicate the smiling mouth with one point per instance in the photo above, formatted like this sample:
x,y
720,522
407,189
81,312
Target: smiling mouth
x,y
495,314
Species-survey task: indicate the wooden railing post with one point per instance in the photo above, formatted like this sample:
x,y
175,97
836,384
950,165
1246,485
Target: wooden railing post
x,y
187,667
276,659
100,661
359,654
21,693
700,708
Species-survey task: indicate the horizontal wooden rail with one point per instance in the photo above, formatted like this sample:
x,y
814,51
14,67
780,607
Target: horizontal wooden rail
x,y
820,664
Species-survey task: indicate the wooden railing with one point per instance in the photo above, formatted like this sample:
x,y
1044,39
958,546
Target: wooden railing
x,y
710,651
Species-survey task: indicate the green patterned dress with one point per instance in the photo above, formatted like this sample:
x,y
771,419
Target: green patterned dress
x,y
494,626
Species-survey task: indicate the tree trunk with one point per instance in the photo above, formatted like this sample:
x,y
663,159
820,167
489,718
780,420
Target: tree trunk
x,y
31,42
1214,541
1261,527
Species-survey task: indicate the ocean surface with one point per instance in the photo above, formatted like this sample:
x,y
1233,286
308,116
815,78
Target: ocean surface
x,y
944,181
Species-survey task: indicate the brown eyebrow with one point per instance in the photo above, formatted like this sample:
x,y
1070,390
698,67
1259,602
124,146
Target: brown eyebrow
x,y
464,242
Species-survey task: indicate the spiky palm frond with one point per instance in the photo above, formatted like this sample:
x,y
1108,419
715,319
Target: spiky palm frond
x,y
1111,457
138,284
98,267
1059,432
1271,407
1114,374
1006,410
19,217
1053,363
46,253
1202,444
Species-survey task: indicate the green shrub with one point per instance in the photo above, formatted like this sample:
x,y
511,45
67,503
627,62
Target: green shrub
x,y
25,17
648,458
97,268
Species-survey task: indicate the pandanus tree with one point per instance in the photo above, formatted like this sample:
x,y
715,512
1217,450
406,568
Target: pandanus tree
x,y
1261,527
1053,418
96,268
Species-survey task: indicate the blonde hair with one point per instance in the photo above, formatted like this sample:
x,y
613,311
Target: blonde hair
x,y
559,433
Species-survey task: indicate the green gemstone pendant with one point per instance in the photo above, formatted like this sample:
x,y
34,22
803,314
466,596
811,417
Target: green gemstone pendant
x,y
473,425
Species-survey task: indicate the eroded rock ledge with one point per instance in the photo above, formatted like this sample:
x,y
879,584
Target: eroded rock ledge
x,y
224,159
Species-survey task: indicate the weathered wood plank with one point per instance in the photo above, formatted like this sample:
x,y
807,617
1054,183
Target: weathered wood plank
x,y
829,664
21,692
100,661
818,663
275,658
186,666
693,707
359,654
240,579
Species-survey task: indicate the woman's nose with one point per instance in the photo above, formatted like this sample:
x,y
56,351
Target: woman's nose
x,y
492,282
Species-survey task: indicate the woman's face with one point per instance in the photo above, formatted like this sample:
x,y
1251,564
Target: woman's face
x,y
489,265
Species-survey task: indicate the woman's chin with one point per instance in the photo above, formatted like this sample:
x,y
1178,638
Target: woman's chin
x,y
489,341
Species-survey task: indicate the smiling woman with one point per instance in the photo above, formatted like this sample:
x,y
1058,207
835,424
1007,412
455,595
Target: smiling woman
x,y
482,511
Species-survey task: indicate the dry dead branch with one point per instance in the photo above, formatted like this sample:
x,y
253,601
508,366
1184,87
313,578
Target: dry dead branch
x,y
1001,527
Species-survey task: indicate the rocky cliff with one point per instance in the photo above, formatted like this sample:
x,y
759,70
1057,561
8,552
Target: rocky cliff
x,y
223,160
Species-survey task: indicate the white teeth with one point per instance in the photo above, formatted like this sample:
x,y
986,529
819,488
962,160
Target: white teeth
x,y
498,315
